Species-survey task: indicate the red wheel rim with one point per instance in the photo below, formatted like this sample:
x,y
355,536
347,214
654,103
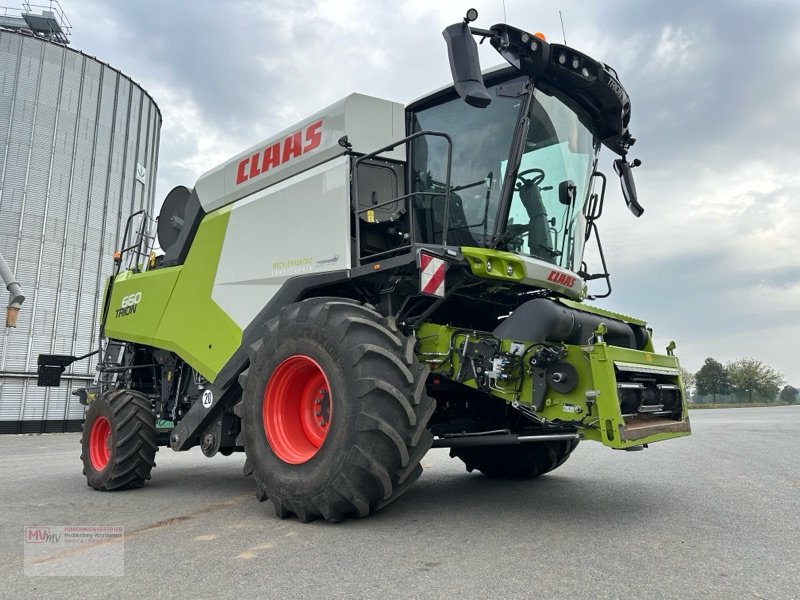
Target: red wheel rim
x,y
100,443
297,409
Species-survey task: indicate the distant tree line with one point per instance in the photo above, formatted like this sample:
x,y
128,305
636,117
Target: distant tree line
x,y
744,380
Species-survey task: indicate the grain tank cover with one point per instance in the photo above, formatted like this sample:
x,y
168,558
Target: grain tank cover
x,y
369,123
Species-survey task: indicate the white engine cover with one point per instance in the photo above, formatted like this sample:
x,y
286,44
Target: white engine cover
x,y
369,124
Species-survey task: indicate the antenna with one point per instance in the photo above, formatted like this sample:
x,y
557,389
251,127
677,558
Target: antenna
x,y
505,17
563,33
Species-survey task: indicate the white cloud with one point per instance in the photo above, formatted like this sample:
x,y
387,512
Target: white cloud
x,y
202,144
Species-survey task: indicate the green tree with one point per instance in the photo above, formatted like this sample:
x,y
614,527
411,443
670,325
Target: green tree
x,y
789,394
750,377
712,379
687,377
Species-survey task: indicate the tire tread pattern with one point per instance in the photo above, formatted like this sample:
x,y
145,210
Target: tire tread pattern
x,y
392,409
133,436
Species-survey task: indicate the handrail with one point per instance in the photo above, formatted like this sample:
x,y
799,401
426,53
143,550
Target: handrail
x,y
138,248
445,193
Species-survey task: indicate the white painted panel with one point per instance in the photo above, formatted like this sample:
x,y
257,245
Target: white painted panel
x,y
300,226
368,123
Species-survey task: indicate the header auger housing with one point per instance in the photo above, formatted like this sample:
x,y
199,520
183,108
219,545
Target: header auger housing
x,y
377,280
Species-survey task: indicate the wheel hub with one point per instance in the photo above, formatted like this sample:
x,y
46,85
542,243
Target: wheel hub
x,y
297,409
323,409
100,443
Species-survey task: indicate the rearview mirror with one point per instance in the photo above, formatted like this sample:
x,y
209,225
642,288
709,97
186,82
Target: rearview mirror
x,y
623,169
566,192
465,65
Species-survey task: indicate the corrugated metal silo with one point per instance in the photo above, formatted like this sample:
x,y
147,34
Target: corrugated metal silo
x,y
78,154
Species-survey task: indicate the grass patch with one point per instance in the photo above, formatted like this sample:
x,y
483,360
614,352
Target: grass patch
x,y
736,404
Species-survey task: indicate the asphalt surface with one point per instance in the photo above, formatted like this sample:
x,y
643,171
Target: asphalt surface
x,y
715,515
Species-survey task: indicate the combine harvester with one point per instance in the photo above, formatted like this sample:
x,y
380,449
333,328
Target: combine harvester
x,y
378,280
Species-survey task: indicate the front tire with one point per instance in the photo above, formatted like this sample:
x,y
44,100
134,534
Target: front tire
x,y
334,411
524,461
119,441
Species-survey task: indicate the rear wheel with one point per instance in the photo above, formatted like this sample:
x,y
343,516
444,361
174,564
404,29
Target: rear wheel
x,y
119,441
523,461
335,411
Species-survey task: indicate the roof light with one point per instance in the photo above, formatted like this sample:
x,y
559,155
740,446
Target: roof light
x,y
534,45
576,63
562,59
540,35
525,37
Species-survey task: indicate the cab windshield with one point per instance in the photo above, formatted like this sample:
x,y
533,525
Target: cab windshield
x,y
540,222
545,218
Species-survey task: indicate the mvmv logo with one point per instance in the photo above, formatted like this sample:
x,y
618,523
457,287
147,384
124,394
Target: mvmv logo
x,y
41,535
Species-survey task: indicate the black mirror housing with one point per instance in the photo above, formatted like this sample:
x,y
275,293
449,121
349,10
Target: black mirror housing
x,y
462,50
567,190
623,169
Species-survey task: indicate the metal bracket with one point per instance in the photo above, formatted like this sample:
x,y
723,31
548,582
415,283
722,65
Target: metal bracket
x,y
203,411
540,362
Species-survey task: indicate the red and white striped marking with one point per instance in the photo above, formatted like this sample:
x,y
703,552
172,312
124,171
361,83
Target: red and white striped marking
x,y
431,277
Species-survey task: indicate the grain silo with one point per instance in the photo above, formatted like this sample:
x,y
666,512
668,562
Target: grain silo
x,y
78,154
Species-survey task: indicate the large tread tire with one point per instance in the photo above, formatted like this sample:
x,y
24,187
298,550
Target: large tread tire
x,y
379,411
119,441
524,461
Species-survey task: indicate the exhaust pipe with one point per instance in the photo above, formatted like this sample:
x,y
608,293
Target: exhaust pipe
x,y
17,297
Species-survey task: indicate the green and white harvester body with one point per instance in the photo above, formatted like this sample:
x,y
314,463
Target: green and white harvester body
x,y
378,280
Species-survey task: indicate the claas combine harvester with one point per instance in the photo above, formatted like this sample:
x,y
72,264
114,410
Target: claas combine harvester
x,y
379,280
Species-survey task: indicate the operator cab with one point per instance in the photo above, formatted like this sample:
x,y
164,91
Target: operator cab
x,y
503,160
511,164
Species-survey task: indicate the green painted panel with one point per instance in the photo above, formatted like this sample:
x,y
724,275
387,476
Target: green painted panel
x,y
194,326
138,302
506,266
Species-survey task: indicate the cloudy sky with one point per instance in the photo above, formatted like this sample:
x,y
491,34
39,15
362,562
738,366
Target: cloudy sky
x,y
714,263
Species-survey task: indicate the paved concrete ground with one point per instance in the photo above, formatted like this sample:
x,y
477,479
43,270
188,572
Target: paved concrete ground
x,y
716,515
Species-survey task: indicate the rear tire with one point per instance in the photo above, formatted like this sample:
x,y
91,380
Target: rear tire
x,y
335,412
524,461
119,441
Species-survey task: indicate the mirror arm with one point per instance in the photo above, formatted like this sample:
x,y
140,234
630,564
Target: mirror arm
x,y
484,33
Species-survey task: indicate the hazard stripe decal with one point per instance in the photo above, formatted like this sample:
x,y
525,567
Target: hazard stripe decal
x,y
431,278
